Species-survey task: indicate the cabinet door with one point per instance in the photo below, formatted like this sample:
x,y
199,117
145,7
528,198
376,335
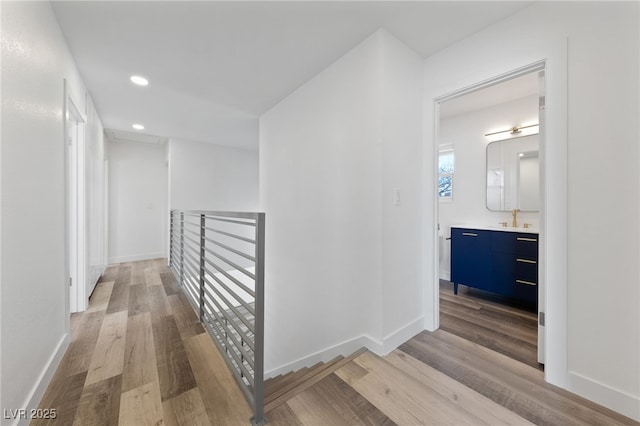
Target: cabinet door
x,y
504,273
471,258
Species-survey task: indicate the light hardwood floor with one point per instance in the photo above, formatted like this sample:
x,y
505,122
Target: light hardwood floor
x,y
138,357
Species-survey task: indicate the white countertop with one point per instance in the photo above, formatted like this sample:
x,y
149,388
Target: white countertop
x,y
519,229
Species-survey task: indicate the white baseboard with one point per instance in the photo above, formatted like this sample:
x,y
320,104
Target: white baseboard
x,y
401,335
445,275
35,396
346,348
135,258
614,399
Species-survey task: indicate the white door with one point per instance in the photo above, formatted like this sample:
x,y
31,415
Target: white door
x,y
74,126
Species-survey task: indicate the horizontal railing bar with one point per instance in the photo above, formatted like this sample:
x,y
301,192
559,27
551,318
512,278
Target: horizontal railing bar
x,y
235,321
193,262
241,334
227,309
230,263
233,368
243,286
207,213
248,374
189,268
194,277
192,251
195,242
232,250
190,291
190,225
191,231
236,296
176,256
230,306
189,275
230,339
228,234
237,222
229,333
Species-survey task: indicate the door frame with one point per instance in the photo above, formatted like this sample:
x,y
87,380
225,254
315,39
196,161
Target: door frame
x,y
539,69
457,73
74,122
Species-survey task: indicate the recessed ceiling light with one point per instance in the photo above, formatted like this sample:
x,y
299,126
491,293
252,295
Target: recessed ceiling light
x,y
140,81
138,126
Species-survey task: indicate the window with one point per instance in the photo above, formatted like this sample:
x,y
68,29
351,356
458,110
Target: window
x,y
445,173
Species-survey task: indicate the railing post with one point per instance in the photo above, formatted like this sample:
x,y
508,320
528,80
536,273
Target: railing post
x,y
202,253
258,372
171,238
181,249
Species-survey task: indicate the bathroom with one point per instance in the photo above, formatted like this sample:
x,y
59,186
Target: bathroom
x,y
489,183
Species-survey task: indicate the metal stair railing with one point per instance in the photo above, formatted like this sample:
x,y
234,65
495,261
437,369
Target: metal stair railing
x,y
218,260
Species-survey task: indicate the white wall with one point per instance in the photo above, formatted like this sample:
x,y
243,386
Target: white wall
x,y
138,213
205,176
401,135
35,296
592,223
330,154
465,132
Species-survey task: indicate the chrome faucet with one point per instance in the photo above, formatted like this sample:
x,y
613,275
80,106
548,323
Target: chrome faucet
x,y
515,218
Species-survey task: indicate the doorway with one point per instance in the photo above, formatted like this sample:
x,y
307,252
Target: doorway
x,y
490,140
74,126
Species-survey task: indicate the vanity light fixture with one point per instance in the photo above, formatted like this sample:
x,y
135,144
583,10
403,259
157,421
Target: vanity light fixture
x,y
138,126
516,130
139,80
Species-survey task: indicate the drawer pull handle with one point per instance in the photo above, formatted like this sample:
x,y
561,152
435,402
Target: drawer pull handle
x,y
526,261
469,234
533,240
525,282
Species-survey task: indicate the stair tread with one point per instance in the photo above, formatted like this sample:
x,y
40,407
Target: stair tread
x,y
274,384
296,379
313,375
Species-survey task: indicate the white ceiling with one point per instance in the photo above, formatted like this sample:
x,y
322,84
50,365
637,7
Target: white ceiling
x,y
214,67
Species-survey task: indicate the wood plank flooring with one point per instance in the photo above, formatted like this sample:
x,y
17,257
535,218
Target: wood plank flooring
x,y
479,368
138,357
135,357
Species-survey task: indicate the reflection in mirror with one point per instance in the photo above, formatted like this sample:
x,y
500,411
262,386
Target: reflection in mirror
x,y
513,174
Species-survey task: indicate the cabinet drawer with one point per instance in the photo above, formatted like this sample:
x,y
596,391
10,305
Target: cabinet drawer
x,y
520,244
526,269
527,245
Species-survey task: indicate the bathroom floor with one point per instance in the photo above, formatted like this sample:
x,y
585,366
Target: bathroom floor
x,y
490,321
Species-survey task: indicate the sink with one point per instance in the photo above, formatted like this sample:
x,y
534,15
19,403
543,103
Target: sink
x,y
500,228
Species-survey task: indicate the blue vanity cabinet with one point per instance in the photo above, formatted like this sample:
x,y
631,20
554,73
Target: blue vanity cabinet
x,y
471,258
501,262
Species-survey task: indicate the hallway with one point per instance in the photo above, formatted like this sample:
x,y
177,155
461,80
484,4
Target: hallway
x,y
138,357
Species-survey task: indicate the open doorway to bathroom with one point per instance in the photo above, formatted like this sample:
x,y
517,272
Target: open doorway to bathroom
x,y
490,158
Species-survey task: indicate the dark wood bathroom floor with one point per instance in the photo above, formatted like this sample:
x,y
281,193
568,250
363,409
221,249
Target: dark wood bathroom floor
x,y
490,321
